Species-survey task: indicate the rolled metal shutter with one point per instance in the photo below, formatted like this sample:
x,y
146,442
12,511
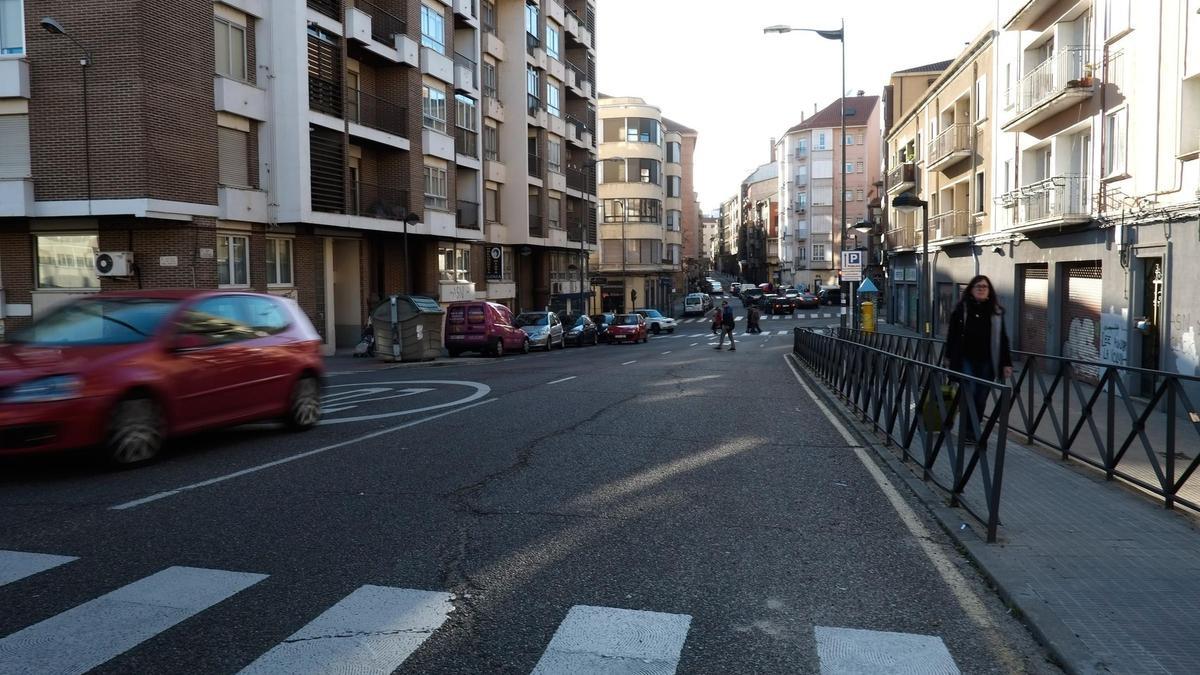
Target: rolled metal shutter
x,y
1081,315
1035,289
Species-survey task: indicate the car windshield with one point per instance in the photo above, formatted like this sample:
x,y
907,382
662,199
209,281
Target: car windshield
x,y
533,319
581,322
106,321
652,313
627,320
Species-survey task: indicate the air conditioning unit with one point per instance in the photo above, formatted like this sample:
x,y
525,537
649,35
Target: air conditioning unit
x,y
114,263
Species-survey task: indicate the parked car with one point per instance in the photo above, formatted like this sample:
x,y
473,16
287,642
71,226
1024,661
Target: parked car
x,y
830,296
580,331
123,371
543,328
694,303
485,327
656,321
806,300
603,321
779,304
752,296
628,328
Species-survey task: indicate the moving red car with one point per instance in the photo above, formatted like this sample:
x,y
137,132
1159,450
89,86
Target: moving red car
x,y
483,327
124,371
628,328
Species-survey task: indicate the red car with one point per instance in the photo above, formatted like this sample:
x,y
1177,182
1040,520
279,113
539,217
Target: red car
x,y
628,328
123,371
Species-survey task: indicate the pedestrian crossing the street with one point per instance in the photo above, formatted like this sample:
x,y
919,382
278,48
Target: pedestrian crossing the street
x,y
375,629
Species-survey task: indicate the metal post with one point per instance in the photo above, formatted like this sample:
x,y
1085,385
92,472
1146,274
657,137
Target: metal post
x,y
842,246
924,304
624,256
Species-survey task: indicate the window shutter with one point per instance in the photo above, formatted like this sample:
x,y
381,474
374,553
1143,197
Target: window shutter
x,y
233,162
14,146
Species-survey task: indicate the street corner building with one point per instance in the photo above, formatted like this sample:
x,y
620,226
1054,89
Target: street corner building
x,y
1052,160
333,152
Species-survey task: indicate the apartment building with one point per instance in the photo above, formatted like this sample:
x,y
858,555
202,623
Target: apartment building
x,y
811,192
757,260
643,170
1094,172
710,238
940,147
729,219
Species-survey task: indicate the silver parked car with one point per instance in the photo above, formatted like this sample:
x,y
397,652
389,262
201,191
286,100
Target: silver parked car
x,y
543,328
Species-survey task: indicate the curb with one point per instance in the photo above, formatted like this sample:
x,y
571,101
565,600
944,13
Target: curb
x,y
1064,645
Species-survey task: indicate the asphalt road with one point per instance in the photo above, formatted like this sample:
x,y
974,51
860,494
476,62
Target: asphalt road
x,y
624,508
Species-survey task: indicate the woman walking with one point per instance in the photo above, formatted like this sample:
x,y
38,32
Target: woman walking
x,y
977,343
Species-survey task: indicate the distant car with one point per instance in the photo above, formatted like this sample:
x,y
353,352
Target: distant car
x,y
694,303
628,328
830,296
123,371
543,328
486,327
752,296
715,288
580,331
806,300
735,287
656,321
602,322
780,304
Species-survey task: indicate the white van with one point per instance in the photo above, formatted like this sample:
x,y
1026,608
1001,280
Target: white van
x,y
693,304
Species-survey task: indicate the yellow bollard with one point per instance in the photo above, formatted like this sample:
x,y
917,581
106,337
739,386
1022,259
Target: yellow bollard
x,y
868,316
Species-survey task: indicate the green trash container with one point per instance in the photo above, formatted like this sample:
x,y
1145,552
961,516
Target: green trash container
x,y
413,321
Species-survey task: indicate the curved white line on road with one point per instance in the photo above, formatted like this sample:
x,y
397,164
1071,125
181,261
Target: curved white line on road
x,y
481,390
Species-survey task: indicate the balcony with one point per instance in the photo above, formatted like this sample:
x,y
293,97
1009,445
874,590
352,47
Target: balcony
x,y
1053,202
577,81
951,225
537,227
577,179
801,154
465,75
466,142
1059,82
532,105
327,7
905,238
376,201
531,44
901,178
950,147
468,215
535,166
14,78
385,26
376,113
325,96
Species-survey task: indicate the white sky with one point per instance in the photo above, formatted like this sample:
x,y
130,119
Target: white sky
x,y
708,65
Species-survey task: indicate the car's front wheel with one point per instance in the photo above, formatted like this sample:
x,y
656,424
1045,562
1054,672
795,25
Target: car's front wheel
x,y
655,329
135,432
304,409
525,346
498,349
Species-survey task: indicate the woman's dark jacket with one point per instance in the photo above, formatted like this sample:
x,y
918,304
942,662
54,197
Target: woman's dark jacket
x,y
977,333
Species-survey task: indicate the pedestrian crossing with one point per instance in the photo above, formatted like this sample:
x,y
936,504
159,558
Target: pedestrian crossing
x,y
375,629
797,316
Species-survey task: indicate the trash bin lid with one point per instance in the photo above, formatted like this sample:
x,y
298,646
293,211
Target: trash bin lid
x,y
424,304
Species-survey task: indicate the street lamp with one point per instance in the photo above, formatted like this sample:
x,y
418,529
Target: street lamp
x,y
908,202
55,28
840,36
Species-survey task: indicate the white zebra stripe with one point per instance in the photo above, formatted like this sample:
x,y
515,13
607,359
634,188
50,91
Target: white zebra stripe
x,y
90,634
849,650
16,565
599,640
372,630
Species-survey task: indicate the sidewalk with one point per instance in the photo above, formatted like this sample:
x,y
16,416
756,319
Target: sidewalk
x,y
1108,579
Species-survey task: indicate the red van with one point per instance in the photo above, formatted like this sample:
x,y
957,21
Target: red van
x,y
485,327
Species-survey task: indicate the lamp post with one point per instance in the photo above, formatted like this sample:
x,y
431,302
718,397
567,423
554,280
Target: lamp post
x,y
840,36
908,202
55,28
410,219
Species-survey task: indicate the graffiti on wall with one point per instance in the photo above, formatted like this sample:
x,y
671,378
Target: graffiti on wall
x,y
1183,343
1114,341
1081,345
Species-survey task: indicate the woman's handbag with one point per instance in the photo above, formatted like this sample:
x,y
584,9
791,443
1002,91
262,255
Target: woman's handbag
x,y
932,415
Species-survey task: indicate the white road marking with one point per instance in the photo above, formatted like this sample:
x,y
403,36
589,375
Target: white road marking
x,y
15,565
966,597
849,650
90,634
600,640
667,352
629,362
563,379
292,458
347,400
372,630
774,317
738,318
782,332
481,390
693,344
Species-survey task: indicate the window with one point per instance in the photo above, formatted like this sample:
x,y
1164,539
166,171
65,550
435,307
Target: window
x,y
643,210
233,164
553,217
818,252
12,30
979,202
1116,18
233,260
674,220
435,187
674,188
433,29
821,141
858,167
491,143
433,107
552,40
801,200
673,152
454,263
489,79
66,260
848,140
981,99
279,262
491,205
648,171
464,112
642,130
848,195
554,156
802,253
858,195
229,44
552,98
1114,150
613,172
849,167
533,83
531,20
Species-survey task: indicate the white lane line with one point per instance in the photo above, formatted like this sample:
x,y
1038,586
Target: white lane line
x,y
372,630
667,352
608,640
563,379
782,332
970,603
849,650
90,634
629,362
738,318
16,565
774,317
292,458
693,344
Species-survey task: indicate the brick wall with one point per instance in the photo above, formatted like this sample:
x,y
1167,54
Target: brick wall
x,y
150,241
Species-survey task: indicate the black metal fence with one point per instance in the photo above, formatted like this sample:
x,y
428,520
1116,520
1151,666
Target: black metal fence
x,y
1056,398
955,427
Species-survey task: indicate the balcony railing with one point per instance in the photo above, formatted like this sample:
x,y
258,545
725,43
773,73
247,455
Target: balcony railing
x,y
954,142
466,142
384,25
536,225
488,16
1051,200
468,63
375,201
324,95
574,228
377,113
956,223
905,236
533,104
1071,67
327,7
581,77
468,215
801,153
901,177
531,43
535,166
